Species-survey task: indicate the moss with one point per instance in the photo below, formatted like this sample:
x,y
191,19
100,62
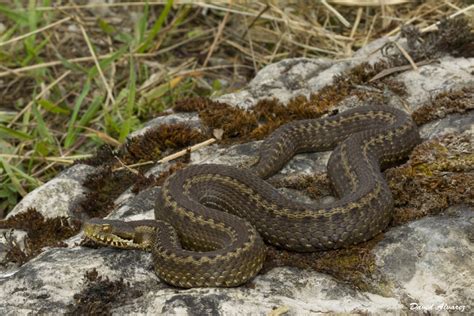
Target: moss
x,y
145,182
235,122
100,295
105,185
104,155
192,104
354,265
453,37
455,101
41,232
437,175
157,141
152,145
108,182
271,114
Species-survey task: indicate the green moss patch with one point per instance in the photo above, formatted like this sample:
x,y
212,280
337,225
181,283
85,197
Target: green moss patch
x,y
438,174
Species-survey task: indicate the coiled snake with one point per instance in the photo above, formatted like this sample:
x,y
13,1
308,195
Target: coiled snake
x,y
210,219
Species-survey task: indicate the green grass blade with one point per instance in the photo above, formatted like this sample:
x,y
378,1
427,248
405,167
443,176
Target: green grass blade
x,y
125,129
6,132
11,170
142,22
91,111
72,130
41,125
156,27
13,15
105,63
13,178
53,108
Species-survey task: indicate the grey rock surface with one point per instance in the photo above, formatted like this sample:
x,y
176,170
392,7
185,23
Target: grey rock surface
x,y
427,262
58,196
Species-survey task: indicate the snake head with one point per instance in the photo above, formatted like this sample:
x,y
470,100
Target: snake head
x,y
120,234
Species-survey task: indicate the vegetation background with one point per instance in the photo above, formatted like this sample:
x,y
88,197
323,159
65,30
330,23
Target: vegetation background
x,y
78,74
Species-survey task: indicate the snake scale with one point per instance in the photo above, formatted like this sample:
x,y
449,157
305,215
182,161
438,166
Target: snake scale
x,y
211,219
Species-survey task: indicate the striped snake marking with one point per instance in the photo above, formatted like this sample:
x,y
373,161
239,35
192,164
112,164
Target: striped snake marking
x,y
211,219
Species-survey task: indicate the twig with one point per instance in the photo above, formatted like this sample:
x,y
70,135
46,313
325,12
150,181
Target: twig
x,y
216,39
17,71
353,31
336,13
124,166
44,28
65,160
356,22
267,6
368,3
252,50
406,55
390,71
39,96
96,61
369,33
172,156
434,26
106,138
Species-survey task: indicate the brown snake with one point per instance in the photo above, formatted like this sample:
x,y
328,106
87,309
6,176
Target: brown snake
x,y
211,218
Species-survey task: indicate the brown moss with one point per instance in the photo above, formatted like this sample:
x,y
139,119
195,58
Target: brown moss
x,y
145,182
158,140
268,114
41,232
104,187
108,182
453,37
438,175
354,265
457,101
192,104
152,145
101,295
235,122
271,114
103,155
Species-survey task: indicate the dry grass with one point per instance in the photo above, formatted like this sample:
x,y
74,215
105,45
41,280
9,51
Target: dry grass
x,y
77,75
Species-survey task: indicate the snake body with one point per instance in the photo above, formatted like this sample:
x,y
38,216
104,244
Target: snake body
x,y
211,218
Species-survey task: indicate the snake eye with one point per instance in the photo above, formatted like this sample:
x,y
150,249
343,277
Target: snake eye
x,y
106,228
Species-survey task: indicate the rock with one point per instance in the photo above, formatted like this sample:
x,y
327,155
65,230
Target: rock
x,y
57,197
429,261
424,263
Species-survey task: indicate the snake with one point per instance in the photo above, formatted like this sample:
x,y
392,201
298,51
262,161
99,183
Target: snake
x,y
212,220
